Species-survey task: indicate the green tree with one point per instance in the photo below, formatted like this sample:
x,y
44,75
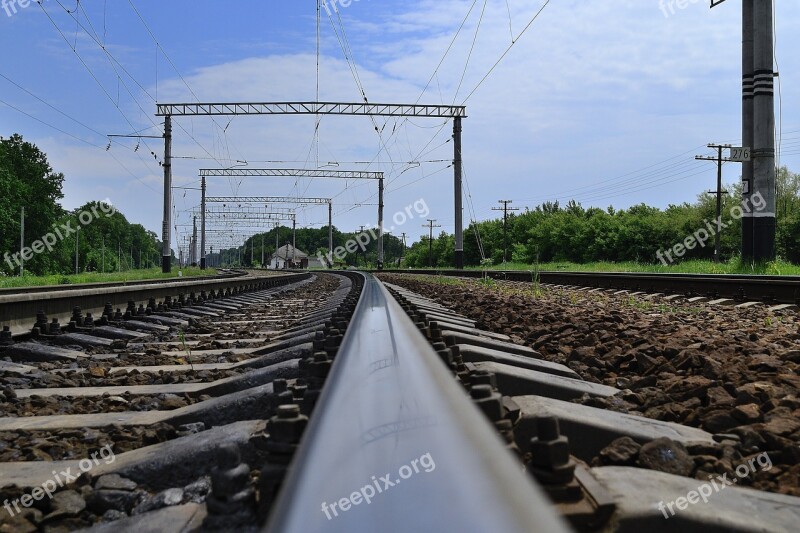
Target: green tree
x,y
27,179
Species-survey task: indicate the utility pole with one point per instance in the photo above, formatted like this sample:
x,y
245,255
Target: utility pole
x,y
748,118
262,249
758,127
764,180
719,192
505,209
252,248
458,171
22,243
402,255
430,225
194,242
77,243
380,224
166,259
203,223
361,232
330,234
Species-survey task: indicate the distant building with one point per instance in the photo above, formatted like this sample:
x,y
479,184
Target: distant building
x,y
289,257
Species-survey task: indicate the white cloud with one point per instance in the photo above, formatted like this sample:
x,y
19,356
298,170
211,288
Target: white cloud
x,y
593,90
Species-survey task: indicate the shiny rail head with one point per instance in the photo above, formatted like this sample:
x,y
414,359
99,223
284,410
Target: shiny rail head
x,y
395,444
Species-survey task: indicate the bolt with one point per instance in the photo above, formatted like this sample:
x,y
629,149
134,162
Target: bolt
x,y
547,428
319,340
299,390
5,337
231,503
550,459
489,401
288,411
279,386
288,425
443,351
41,321
480,392
483,377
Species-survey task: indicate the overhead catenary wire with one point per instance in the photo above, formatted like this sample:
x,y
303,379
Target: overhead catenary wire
x,y
505,53
126,169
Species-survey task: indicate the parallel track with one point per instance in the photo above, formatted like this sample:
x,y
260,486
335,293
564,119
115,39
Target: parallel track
x,y
767,289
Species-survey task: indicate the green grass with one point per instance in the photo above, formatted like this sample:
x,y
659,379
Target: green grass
x,y
96,277
444,280
734,266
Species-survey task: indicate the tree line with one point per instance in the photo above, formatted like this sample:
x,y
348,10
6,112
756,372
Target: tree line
x,y
314,242
551,232
107,243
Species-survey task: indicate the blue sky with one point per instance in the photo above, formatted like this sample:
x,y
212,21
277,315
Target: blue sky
x,y
604,101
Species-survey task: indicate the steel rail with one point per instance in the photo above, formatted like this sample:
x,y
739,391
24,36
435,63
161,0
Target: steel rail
x,y
768,289
389,401
110,284
18,311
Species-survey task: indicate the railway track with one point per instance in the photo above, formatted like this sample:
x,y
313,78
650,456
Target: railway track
x,y
772,290
327,402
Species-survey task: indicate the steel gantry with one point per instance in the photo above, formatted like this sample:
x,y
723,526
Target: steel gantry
x,y
253,215
208,173
457,113
315,174
238,217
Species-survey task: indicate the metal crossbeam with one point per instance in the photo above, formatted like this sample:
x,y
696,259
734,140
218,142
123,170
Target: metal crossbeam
x,y
262,200
311,108
268,200
249,216
223,232
249,209
288,173
306,173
